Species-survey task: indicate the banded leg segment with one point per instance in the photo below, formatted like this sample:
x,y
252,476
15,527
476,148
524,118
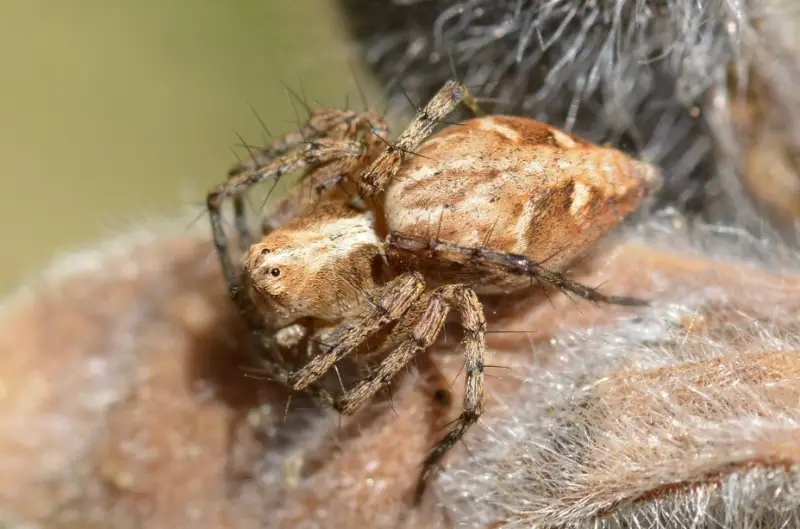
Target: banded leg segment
x,y
512,263
392,302
386,165
316,153
325,123
423,336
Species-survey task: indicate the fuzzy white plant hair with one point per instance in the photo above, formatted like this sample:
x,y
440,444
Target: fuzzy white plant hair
x,y
664,419
654,77
684,415
622,434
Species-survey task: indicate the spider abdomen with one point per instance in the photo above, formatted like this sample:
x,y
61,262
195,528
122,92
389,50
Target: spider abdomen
x,y
515,185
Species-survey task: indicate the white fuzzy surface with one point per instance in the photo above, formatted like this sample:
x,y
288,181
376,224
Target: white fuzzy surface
x,y
685,415
681,415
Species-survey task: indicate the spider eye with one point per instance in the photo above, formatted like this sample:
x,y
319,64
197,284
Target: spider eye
x,y
275,272
265,251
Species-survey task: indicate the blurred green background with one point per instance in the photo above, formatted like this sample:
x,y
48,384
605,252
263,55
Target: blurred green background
x,y
115,112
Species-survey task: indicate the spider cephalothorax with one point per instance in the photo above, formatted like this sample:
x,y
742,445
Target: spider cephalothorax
x,y
476,209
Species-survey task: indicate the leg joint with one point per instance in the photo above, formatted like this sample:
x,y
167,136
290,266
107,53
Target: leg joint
x,y
214,198
475,367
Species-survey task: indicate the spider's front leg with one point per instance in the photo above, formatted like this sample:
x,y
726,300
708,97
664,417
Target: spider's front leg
x,y
422,336
270,361
391,303
324,123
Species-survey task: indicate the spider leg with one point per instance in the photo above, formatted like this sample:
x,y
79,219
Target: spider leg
x,y
259,160
322,123
315,153
324,179
386,165
331,175
276,369
421,337
473,321
512,263
285,210
393,300
268,349
333,123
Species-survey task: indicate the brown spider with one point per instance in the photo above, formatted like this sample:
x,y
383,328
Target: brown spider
x,y
474,210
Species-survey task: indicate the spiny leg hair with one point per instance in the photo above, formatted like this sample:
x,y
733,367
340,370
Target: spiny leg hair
x,y
329,122
317,152
422,336
392,301
322,123
385,167
513,263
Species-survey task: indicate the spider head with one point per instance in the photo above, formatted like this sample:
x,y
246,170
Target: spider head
x,y
271,271
320,268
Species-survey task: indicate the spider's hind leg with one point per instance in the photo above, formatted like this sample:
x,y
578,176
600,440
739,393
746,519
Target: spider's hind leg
x,y
512,264
386,165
